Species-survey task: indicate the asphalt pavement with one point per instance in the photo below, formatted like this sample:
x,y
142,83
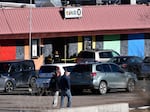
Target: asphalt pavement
x,y
22,100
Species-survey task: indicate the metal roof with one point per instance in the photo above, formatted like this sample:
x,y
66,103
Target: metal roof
x,y
98,20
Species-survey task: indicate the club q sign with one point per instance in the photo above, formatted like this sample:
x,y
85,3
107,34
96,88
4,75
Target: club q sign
x,y
72,12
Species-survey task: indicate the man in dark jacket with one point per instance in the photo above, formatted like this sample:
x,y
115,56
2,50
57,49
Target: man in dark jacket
x,y
65,89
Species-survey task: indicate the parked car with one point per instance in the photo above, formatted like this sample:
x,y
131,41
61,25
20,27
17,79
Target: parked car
x,y
17,73
146,59
46,72
96,55
145,68
142,1
104,2
101,77
130,63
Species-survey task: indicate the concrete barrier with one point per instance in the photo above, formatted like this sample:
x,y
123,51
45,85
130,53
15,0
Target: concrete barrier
x,y
119,107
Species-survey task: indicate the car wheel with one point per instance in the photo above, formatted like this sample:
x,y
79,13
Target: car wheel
x,y
9,86
130,86
40,92
103,88
33,82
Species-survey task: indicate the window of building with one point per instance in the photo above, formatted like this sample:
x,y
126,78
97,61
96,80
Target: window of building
x,y
35,50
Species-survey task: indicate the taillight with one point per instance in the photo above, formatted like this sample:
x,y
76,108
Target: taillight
x,y
93,74
124,65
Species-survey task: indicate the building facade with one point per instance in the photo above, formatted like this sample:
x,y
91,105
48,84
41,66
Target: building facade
x,y
123,28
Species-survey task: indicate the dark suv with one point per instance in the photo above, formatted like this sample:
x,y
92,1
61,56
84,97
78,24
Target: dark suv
x,y
17,73
133,64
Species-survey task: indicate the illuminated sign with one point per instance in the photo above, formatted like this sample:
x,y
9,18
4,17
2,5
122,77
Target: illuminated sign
x,y
73,12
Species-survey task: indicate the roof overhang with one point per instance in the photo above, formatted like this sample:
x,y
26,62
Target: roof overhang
x,y
71,34
96,20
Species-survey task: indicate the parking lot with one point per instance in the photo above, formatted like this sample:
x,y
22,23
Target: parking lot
x,y
22,99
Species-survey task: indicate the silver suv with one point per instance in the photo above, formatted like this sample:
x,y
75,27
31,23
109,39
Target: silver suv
x,y
101,77
96,55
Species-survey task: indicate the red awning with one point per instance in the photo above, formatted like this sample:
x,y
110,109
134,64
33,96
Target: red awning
x,y
96,20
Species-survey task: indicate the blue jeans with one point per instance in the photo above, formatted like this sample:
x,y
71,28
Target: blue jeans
x,y
69,97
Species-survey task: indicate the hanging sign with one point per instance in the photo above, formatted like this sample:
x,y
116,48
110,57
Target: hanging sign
x,y
72,12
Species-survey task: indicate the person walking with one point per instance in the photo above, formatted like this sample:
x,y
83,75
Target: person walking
x,y
65,89
56,86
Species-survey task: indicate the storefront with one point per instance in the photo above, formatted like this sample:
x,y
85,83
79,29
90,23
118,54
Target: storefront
x,y
123,28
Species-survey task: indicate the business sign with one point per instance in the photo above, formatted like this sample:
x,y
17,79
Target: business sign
x,y
72,12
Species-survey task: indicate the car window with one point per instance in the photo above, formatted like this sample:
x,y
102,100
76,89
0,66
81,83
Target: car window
x,y
4,67
105,55
146,60
82,68
123,60
47,69
27,65
115,54
114,68
114,60
131,60
99,68
138,60
86,54
14,68
106,68
18,67
69,68
135,60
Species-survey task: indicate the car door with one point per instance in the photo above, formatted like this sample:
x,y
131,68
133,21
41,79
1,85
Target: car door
x,y
29,73
108,75
16,73
2,82
118,76
134,65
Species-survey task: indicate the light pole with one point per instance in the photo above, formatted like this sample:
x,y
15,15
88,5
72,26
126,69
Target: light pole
x,y
30,30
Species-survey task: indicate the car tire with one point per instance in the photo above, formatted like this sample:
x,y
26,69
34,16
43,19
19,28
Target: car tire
x,y
130,85
32,82
9,87
40,92
103,88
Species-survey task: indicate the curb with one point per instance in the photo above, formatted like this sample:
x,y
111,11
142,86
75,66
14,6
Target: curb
x,y
119,107
140,108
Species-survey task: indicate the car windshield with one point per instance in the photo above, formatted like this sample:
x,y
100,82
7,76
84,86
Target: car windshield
x,y
4,67
86,54
68,68
82,68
